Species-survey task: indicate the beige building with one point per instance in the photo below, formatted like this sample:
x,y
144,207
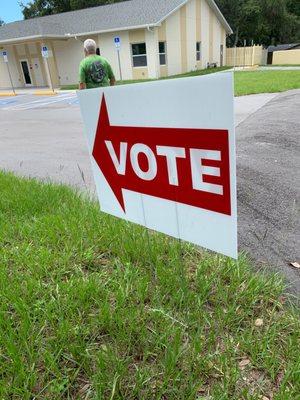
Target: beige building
x,y
286,54
291,57
158,38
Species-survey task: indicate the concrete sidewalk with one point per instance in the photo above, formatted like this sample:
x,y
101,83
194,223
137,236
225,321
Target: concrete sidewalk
x,y
279,68
248,68
247,105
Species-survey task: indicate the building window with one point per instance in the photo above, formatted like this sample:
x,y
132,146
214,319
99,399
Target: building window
x,y
198,51
162,53
139,55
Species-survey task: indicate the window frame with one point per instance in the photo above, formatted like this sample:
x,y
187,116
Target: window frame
x,y
198,51
133,56
162,54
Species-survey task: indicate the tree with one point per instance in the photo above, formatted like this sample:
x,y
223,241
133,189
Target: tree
x,y
39,8
293,7
1,22
263,21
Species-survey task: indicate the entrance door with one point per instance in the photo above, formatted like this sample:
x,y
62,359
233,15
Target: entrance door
x,y
270,58
26,73
221,55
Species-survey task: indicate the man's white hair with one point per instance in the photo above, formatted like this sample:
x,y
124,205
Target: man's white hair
x,y
90,46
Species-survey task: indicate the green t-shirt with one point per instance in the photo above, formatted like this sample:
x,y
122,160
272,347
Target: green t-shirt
x,y
95,71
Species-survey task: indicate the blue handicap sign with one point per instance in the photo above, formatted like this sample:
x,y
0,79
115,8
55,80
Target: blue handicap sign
x,y
117,41
45,52
5,58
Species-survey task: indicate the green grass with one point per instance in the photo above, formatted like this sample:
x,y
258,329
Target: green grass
x,y
250,82
188,74
246,82
93,308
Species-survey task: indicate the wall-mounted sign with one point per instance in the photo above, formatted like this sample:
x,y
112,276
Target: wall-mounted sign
x,y
117,41
5,56
45,52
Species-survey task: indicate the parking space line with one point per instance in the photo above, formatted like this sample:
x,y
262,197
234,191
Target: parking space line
x,y
5,102
41,102
74,101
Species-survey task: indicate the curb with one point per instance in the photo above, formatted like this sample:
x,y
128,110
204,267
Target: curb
x,y
7,94
45,93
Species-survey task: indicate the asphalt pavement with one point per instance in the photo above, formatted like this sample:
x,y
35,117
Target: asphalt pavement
x,y
43,137
268,169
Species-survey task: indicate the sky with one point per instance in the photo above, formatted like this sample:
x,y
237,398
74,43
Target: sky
x,y
10,10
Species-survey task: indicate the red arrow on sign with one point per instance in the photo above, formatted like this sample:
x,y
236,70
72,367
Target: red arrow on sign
x,y
189,166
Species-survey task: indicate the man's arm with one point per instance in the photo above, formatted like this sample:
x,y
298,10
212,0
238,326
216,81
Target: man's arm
x,y
82,82
111,76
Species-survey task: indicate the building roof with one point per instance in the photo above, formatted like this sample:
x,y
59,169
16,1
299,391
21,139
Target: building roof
x,y
131,14
279,47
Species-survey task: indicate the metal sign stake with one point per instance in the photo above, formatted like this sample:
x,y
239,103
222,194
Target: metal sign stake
x,y
117,41
10,78
5,57
50,78
45,54
119,61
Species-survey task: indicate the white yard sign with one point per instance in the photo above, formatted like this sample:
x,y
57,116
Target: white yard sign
x,y
163,156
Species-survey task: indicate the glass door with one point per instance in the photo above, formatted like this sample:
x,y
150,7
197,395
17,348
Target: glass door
x,y
26,73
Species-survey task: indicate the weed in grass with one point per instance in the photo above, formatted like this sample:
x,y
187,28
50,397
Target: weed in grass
x,y
88,311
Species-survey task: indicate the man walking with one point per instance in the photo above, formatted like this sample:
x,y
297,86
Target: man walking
x,y
94,71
